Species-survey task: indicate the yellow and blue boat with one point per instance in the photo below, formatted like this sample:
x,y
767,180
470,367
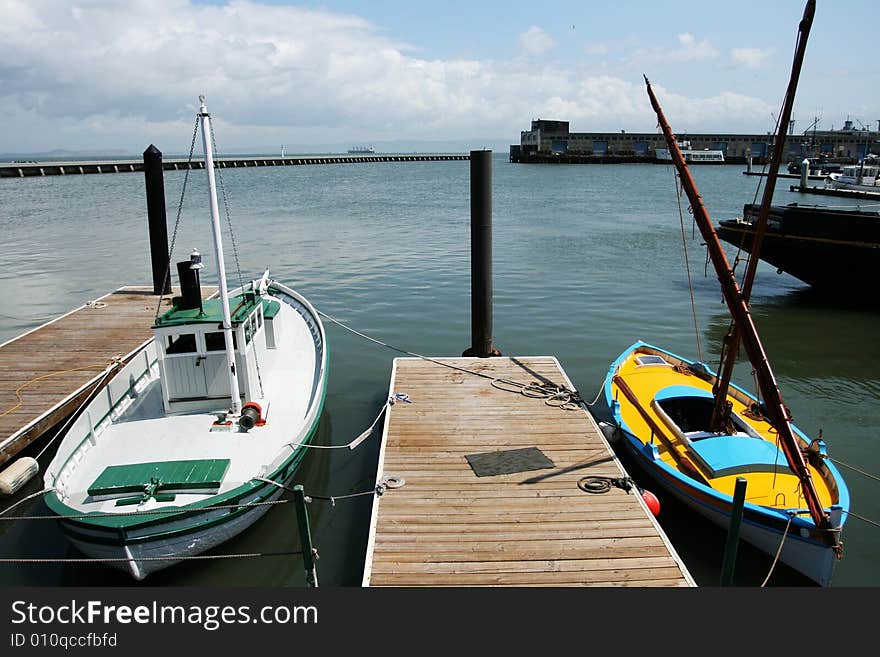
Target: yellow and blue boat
x,y
697,433
662,405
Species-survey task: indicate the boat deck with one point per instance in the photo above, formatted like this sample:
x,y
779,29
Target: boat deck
x,y
55,366
447,526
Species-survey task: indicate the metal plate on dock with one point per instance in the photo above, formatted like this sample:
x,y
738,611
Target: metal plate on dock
x,y
509,461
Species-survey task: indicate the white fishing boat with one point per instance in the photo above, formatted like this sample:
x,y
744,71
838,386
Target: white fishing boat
x,y
179,452
861,177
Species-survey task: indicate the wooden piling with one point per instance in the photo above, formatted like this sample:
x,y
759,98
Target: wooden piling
x,y
155,187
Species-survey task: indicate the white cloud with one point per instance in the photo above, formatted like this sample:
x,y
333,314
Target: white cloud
x,y
536,41
687,50
751,57
596,49
105,74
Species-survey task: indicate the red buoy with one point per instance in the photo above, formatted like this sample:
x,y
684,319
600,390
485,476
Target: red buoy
x,y
652,502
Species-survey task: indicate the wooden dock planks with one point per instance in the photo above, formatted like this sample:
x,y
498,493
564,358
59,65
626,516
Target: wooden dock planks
x,y
448,527
55,366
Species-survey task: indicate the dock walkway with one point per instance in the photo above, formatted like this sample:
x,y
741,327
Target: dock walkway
x,y
446,526
49,371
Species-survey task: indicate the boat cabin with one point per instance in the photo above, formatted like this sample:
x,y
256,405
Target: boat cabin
x,y
192,350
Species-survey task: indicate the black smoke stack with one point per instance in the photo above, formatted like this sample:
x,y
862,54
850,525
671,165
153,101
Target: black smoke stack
x,y
190,290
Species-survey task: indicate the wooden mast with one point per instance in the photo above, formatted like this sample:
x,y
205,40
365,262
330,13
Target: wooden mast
x,y
739,309
721,411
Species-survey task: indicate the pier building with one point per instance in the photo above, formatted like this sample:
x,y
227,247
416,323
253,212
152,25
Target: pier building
x,y
553,140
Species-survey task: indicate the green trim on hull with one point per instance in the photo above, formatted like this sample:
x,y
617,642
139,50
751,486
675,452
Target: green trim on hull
x,y
118,526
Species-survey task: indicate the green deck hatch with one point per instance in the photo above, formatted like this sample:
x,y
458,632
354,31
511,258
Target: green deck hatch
x,y
270,308
204,476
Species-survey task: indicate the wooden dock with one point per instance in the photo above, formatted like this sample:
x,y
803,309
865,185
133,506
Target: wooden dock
x,y
874,197
78,167
49,371
446,526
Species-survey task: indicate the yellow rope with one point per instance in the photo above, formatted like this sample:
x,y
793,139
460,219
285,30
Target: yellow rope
x,y
46,376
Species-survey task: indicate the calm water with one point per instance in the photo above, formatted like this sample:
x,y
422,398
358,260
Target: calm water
x,y
587,259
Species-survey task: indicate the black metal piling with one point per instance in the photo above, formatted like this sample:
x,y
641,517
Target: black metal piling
x,y
155,184
481,256
736,512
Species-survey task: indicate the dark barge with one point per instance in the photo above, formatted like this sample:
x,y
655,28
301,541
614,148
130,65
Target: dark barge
x,y
828,248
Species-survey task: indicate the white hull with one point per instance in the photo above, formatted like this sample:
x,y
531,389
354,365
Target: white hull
x,y
837,184
142,559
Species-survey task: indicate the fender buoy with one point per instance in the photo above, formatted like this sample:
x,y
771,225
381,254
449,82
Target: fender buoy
x,y
652,502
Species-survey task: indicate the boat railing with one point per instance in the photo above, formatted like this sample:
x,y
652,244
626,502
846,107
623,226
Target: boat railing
x,y
111,401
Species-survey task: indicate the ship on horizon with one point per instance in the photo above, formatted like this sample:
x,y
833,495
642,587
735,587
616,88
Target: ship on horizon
x,y
361,150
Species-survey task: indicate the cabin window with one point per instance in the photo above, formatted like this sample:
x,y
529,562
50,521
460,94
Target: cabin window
x,y
259,320
248,330
217,342
184,343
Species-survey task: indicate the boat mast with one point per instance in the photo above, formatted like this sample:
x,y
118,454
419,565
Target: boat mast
x,y
205,120
721,411
776,410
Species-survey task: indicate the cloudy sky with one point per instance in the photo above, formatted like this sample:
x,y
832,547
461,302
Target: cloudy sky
x,y
121,74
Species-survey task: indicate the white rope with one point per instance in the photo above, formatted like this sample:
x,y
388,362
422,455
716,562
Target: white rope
x,y
566,399
25,499
354,443
778,552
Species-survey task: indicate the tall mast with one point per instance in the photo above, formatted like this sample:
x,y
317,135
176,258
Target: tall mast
x,y
721,412
205,120
776,410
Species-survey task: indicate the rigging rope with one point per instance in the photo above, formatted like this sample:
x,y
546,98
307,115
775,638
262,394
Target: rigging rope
x,y
687,263
218,171
192,147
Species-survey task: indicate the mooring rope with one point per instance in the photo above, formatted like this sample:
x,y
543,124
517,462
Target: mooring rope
x,y
554,395
851,467
778,551
862,518
153,512
379,489
43,377
354,443
195,557
597,484
22,501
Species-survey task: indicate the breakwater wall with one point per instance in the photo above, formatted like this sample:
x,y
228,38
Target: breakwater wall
x,y
78,167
